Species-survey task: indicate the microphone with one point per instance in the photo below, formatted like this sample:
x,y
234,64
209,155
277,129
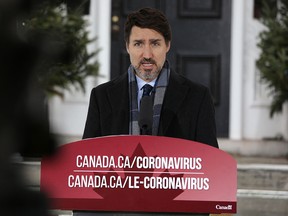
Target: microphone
x,y
146,115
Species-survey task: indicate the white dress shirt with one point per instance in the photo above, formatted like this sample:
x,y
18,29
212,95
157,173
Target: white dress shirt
x,y
140,84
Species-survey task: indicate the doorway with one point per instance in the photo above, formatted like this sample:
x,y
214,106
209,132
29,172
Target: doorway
x,y
200,48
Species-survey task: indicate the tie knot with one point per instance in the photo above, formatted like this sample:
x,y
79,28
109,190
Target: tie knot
x,y
146,90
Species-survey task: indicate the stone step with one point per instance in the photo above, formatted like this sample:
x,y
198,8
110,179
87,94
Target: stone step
x,y
263,177
262,186
262,203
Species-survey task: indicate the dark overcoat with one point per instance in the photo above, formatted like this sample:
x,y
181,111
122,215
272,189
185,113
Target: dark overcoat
x,y
187,110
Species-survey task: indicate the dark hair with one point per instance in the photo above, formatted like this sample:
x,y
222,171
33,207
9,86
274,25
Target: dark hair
x,y
148,18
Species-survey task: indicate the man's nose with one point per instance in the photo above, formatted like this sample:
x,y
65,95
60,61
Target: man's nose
x,y
147,52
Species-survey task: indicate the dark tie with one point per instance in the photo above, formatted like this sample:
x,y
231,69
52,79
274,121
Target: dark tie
x,y
145,120
146,90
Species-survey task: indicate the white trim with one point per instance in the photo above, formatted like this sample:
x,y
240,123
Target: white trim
x,y
262,194
103,20
236,76
255,148
269,167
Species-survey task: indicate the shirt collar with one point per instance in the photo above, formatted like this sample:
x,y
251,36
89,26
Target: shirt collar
x,y
141,82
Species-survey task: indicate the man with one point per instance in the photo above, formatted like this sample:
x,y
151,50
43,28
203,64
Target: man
x,y
181,108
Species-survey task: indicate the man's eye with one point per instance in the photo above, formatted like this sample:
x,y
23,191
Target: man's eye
x,y
138,44
156,44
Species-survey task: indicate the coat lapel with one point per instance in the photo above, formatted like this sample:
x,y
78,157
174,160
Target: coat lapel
x,y
174,97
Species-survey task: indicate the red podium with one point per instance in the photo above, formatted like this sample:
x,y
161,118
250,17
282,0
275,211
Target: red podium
x,y
144,174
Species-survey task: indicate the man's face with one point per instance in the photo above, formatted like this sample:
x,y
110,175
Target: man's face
x,y
147,50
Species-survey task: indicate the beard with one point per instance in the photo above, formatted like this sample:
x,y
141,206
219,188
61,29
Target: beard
x,y
147,74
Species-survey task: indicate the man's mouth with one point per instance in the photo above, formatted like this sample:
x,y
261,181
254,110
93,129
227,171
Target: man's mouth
x,y
147,67
147,64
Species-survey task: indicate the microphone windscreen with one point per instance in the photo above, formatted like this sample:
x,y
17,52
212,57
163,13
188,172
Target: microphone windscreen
x,y
146,113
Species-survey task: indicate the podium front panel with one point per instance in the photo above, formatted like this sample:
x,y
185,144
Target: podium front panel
x,y
140,174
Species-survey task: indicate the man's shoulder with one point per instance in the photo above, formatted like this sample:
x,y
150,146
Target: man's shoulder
x,y
120,80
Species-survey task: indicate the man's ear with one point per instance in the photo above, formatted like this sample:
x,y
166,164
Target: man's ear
x,y
127,47
168,46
